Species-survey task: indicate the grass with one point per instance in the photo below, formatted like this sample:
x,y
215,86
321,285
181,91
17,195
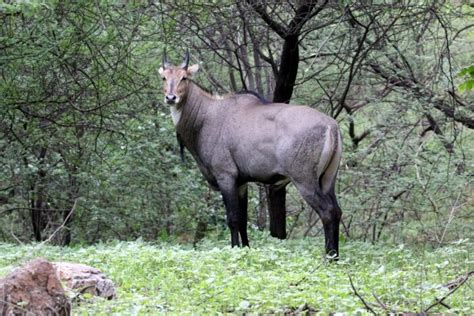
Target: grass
x,y
271,277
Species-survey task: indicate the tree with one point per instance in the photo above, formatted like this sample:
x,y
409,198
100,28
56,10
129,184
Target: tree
x,y
359,55
87,145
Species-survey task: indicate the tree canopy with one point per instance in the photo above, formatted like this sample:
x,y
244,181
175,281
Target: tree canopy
x,y
87,147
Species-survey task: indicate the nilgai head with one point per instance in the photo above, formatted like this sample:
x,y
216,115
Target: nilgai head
x,y
175,83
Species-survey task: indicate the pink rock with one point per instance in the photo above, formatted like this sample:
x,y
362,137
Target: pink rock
x,y
85,279
33,289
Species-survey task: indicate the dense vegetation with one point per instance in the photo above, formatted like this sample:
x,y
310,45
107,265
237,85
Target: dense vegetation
x,y
88,152
87,143
271,277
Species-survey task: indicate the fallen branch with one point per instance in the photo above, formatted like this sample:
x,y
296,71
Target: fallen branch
x,y
306,276
360,297
381,304
454,286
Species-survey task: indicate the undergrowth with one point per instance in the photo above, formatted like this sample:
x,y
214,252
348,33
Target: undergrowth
x,y
271,277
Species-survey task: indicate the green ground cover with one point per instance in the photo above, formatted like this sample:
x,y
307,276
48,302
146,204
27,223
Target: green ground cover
x,y
271,277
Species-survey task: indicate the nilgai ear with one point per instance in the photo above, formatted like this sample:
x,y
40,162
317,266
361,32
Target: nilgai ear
x,y
192,69
161,70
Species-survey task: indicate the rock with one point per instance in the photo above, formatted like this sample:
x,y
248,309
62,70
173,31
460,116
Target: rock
x,y
85,279
33,289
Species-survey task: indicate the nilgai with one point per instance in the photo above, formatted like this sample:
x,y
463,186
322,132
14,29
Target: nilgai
x,y
239,138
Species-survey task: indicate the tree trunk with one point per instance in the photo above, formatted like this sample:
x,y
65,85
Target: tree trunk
x,y
288,70
38,198
262,208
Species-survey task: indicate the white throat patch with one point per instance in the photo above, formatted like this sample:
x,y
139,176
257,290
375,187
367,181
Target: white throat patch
x,y
176,114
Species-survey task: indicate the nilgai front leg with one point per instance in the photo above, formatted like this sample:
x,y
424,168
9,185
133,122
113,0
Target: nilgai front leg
x,y
235,217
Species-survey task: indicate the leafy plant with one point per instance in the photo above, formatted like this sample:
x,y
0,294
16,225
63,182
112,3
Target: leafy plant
x,y
271,277
468,74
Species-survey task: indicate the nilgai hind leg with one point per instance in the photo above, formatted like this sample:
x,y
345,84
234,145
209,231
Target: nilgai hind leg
x,y
327,207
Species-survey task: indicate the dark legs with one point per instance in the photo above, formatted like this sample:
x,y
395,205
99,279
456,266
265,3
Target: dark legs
x,y
331,218
235,200
277,210
330,213
243,203
325,204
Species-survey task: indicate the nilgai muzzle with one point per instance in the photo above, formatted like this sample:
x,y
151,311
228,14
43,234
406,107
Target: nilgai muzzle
x,y
238,139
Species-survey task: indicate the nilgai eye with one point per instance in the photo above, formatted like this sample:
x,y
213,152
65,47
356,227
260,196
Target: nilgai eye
x,y
184,78
164,79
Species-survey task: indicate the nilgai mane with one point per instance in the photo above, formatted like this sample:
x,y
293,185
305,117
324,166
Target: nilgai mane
x,y
238,139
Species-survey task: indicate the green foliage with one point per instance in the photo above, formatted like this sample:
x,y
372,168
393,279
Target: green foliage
x,y
468,74
82,126
271,277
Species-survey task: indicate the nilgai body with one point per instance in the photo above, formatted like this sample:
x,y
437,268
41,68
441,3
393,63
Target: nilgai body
x,y
239,138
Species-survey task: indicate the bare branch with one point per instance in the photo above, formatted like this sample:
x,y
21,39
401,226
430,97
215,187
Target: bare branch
x,y
367,306
280,29
461,281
